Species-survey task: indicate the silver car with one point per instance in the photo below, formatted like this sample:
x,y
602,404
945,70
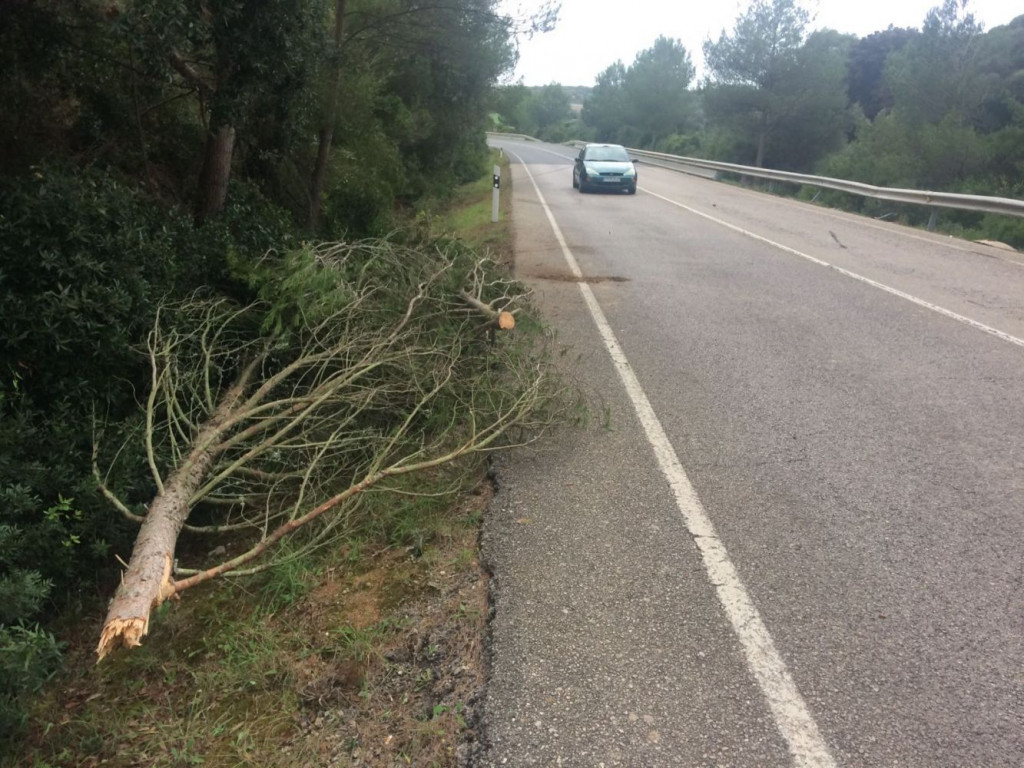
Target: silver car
x,y
604,166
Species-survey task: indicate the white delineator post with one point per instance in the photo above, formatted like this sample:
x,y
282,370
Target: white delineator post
x,y
494,197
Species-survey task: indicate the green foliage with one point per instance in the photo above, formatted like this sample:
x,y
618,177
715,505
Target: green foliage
x,y
644,103
507,103
683,144
62,92
296,289
1000,61
656,89
138,87
954,123
1004,229
879,155
29,657
935,76
809,108
605,111
866,86
547,110
69,312
766,37
22,592
358,206
444,88
83,261
49,539
779,99
262,57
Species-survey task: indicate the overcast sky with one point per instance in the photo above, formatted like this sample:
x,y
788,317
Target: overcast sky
x,y
592,34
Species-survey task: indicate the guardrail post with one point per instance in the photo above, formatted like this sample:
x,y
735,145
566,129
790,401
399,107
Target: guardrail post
x,y
933,219
494,196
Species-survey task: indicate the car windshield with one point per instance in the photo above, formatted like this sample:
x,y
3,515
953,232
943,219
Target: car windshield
x,y
614,154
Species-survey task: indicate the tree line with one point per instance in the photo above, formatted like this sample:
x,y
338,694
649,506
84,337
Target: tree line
x,y
940,107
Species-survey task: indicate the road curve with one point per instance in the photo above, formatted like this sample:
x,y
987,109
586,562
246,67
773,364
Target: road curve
x,y
792,533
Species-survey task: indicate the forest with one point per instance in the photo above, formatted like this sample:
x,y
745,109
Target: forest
x,y
936,108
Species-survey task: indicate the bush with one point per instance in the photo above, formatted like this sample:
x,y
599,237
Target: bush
x,y
80,271
1005,229
84,262
29,657
685,145
357,206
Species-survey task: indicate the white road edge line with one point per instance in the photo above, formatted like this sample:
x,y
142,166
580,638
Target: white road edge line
x,y
568,158
874,283
791,714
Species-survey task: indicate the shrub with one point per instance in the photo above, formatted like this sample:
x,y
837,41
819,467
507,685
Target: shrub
x,y
357,206
29,657
84,262
79,273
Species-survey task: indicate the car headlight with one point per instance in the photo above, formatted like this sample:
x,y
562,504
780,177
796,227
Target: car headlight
x,y
630,172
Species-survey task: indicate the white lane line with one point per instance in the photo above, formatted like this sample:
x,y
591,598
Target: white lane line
x,y
874,283
550,152
792,717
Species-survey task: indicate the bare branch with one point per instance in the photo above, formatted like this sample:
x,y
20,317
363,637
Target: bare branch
x,y
385,377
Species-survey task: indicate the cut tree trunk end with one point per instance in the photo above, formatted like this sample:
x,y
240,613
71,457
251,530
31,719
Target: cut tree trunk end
x,y
147,581
503,319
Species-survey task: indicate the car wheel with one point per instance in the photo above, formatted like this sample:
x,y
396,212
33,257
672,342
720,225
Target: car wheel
x,y
582,187
575,183
632,190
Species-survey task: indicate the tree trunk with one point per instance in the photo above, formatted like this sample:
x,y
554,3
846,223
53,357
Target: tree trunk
x,y
213,180
762,139
323,154
147,582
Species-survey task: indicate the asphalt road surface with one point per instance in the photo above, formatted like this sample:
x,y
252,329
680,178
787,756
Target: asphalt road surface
x,y
792,532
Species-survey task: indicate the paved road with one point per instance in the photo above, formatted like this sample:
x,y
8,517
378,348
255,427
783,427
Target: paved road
x,y
793,533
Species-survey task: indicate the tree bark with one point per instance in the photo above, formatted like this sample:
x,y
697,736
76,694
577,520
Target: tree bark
x,y
147,582
323,154
213,180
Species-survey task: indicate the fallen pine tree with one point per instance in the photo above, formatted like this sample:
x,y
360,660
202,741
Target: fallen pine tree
x,y
358,364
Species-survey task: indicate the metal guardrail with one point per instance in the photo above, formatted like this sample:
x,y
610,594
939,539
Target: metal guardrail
x,y
502,134
1004,205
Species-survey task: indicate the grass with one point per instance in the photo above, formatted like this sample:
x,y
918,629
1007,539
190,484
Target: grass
x,y
468,214
234,675
340,657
